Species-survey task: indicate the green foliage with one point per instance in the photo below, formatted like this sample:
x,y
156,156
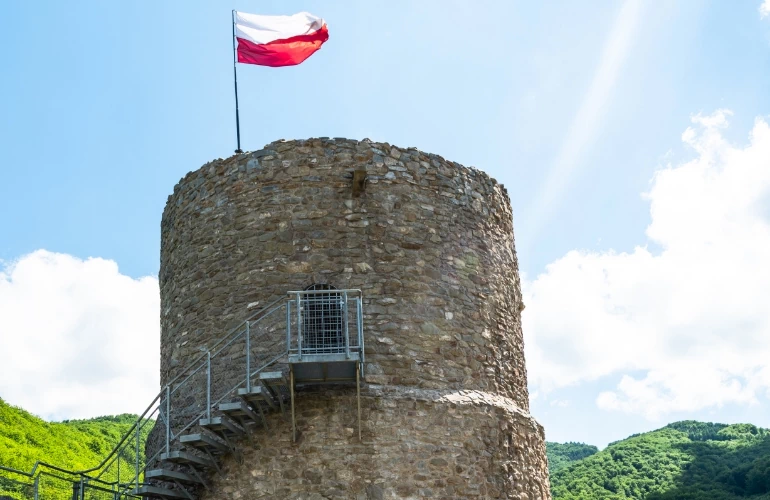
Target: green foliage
x,y
682,461
71,444
560,455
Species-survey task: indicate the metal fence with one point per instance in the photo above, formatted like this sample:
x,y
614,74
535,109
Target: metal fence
x,y
17,489
55,484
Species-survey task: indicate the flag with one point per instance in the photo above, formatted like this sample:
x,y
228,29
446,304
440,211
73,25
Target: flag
x,y
278,40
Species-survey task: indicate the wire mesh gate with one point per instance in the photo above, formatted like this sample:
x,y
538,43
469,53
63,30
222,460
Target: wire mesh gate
x,y
325,324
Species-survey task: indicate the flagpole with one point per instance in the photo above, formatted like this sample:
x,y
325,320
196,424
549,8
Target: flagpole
x,y
235,78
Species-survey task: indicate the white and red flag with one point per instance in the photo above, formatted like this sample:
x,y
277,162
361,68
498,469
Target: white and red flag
x,y
278,40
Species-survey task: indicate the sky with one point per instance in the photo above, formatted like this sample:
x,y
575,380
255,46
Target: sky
x,y
632,138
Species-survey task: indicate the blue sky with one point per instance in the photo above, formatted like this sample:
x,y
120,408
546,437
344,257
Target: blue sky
x,y
574,106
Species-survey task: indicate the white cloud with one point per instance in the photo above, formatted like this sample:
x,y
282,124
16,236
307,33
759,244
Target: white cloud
x,y
584,127
764,9
78,339
684,328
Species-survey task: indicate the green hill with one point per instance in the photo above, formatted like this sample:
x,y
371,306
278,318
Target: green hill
x,y
72,444
682,461
560,455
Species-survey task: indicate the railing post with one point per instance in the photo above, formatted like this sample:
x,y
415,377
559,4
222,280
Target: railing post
x,y
299,327
288,326
248,356
360,326
208,385
36,487
168,419
76,490
136,475
345,321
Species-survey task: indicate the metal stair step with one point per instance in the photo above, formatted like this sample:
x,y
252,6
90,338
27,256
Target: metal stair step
x,y
171,475
277,385
240,411
156,491
204,442
187,458
256,395
223,425
273,378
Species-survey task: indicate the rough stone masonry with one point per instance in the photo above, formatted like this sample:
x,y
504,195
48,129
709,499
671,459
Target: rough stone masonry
x,y
430,244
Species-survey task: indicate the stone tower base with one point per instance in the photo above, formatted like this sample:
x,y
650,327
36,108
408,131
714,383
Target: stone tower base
x,y
417,443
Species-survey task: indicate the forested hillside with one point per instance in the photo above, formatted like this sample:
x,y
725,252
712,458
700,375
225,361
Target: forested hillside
x,y
560,455
682,461
73,444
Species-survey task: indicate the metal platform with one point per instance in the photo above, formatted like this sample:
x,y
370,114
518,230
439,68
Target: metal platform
x,y
323,372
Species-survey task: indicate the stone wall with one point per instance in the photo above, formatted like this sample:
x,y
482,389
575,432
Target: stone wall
x,y
430,244
416,443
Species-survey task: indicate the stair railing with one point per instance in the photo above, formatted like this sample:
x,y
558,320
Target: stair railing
x,y
316,323
215,369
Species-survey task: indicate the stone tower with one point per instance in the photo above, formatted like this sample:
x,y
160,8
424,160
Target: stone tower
x,y
429,242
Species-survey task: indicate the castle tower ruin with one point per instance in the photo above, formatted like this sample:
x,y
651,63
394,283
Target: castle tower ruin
x,y
444,408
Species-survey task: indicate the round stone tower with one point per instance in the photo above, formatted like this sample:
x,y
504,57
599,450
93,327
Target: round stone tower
x,y
429,243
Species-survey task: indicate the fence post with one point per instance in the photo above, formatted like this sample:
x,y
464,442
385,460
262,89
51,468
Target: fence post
x,y
248,356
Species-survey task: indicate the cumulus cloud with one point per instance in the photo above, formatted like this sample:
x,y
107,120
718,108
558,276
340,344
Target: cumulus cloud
x,y
764,9
78,338
683,327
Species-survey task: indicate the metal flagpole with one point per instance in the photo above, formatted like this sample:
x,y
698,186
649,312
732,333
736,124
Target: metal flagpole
x,y
235,75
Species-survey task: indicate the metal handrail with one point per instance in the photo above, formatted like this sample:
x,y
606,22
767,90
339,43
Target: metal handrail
x,y
204,360
130,432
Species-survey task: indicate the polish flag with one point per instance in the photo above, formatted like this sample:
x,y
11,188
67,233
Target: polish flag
x,y
278,40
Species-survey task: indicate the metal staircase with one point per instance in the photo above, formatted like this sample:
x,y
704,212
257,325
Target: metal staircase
x,y
224,395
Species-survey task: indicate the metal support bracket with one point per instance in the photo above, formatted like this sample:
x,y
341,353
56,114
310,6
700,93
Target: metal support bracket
x,y
184,490
358,397
293,418
215,462
197,475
